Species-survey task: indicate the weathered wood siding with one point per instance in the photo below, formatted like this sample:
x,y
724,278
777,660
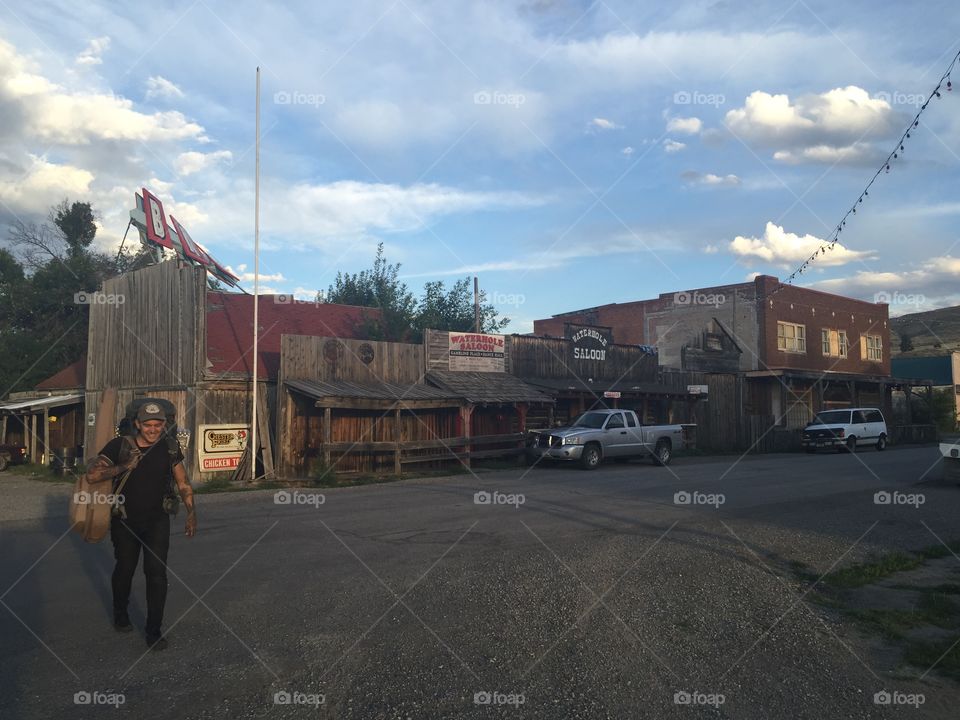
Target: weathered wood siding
x,y
362,361
155,336
533,357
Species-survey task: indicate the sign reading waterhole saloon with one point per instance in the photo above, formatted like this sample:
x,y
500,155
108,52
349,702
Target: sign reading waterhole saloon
x,y
589,343
476,352
222,446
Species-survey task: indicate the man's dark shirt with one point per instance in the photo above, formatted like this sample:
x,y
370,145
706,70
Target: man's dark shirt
x,y
150,480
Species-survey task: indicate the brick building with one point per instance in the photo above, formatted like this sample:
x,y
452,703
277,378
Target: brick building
x,y
793,350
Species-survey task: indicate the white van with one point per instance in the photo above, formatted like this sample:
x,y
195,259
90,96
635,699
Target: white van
x,y
845,430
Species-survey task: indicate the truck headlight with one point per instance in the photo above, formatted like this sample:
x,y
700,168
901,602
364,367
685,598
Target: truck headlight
x,y
572,440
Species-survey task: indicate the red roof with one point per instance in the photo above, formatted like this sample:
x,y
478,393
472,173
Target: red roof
x,y
230,329
73,376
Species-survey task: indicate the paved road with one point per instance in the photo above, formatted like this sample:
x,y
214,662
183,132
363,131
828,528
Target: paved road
x,y
596,596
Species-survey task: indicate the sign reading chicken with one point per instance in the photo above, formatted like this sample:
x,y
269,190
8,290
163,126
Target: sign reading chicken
x,y
476,352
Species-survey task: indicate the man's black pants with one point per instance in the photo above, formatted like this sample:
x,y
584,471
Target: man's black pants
x,y
153,534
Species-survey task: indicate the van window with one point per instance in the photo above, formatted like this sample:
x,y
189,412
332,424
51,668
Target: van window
x,y
832,417
859,416
631,420
616,421
874,416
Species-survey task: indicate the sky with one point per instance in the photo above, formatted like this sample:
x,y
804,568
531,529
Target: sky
x,y
569,154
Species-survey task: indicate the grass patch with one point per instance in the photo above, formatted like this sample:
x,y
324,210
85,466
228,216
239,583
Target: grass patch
x,y
221,485
44,473
925,655
934,552
891,624
854,576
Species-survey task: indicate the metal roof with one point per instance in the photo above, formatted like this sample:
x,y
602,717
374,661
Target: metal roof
x,y
369,391
40,403
487,387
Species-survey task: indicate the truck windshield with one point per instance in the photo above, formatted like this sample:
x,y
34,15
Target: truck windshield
x,y
590,420
832,417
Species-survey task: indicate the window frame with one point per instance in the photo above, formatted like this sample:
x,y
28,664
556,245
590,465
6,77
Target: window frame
x,y
799,338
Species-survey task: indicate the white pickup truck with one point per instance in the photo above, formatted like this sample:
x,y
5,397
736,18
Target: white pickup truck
x,y
599,434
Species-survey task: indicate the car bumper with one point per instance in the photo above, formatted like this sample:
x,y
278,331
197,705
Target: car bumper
x,y
823,442
563,452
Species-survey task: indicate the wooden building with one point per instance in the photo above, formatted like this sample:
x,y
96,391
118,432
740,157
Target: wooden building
x,y
372,407
171,337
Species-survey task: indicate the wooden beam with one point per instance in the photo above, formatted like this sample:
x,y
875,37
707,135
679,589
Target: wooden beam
x,y
263,433
3,430
46,436
397,438
327,435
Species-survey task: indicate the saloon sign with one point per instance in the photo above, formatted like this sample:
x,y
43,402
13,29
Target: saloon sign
x,y
589,343
222,446
476,352
149,218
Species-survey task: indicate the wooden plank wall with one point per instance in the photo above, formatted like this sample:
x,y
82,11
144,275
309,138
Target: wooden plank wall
x,y
534,357
311,358
155,337
325,359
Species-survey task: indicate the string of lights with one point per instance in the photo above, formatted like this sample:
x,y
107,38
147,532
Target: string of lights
x,y
895,154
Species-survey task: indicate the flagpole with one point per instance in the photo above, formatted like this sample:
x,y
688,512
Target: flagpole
x,y
256,293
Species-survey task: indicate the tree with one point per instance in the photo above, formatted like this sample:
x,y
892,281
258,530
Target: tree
x,y
380,288
442,309
403,317
44,319
906,342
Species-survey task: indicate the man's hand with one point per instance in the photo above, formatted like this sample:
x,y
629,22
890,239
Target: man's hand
x,y
186,494
191,527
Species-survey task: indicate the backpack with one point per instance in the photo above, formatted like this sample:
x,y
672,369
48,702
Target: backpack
x,y
126,429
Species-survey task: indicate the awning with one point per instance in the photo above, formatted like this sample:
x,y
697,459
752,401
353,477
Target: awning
x,y
599,387
487,387
23,406
327,393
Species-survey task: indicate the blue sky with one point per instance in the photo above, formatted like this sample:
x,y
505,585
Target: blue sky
x,y
570,154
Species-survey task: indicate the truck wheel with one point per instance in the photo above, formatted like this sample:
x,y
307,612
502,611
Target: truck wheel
x,y
4,462
882,443
590,459
662,453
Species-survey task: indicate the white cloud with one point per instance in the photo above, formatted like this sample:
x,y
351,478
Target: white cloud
x,y
53,114
781,247
160,87
832,127
672,146
932,283
710,180
689,126
190,162
90,55
711,249
43,184
604,124
628,151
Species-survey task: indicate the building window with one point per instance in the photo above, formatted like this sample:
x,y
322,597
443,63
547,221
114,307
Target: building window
x,y
791,337
871,348
834,343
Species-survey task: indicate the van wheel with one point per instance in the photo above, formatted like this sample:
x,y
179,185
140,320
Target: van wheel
x,y
662,453
4,462
882,443
851,445
590,459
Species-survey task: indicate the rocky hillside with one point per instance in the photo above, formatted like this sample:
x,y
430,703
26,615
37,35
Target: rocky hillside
x,y
930,333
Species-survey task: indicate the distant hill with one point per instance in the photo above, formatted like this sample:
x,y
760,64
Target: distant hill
x,y
931,333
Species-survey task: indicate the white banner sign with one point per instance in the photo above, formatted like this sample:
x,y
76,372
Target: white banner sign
x,y
222,446
476,352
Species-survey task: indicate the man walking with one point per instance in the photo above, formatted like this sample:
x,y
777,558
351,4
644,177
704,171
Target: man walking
x,y
140,519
